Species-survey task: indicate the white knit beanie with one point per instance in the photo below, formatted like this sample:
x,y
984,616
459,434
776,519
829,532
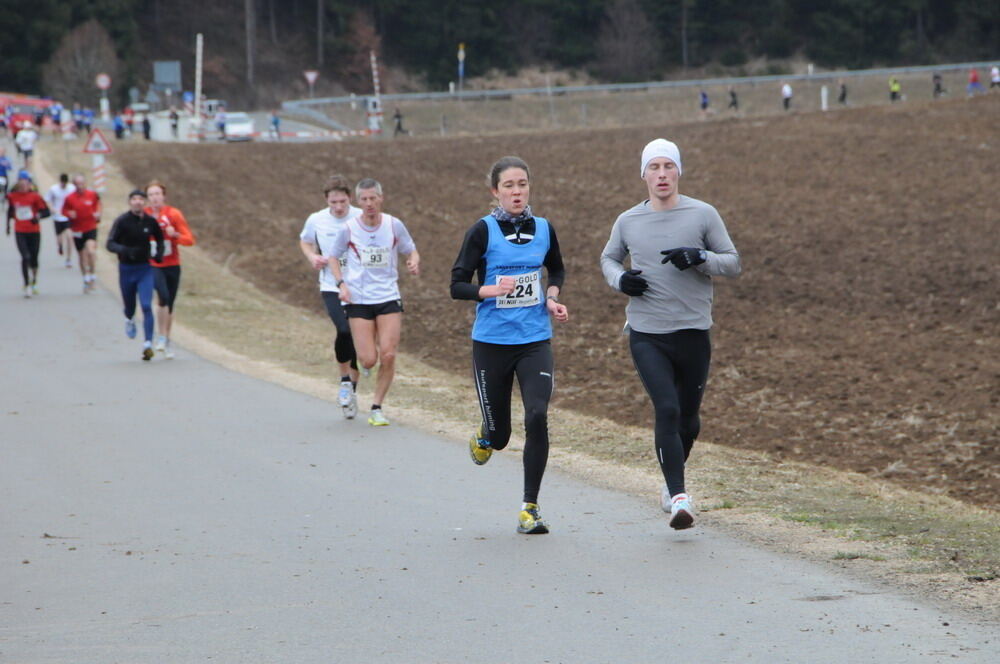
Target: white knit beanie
x,y
660,147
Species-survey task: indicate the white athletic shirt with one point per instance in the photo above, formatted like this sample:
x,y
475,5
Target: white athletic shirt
x,y
371,272
786,91
55,197
26,138
321,229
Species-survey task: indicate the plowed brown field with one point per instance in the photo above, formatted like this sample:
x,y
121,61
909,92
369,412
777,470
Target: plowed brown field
x,y
863,333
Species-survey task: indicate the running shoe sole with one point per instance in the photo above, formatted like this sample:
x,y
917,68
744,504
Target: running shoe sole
x,y
147,354
479,454
681,520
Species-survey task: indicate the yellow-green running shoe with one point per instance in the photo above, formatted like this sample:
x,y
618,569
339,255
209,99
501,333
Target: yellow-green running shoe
x,y
377,419
479,449
529,521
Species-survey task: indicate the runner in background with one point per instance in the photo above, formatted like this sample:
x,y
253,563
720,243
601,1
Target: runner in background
x,y
316,242
25,140
675,244
734,101
5,168
786,96
56,198
369,285
83,209
842,94
167,272
507,250
27,208
136,238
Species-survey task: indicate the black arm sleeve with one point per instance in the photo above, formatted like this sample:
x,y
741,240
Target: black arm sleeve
x,y
113,245
158,234
554,261
470,259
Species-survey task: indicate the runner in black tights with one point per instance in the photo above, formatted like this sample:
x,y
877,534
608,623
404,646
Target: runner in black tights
x,y
675,244
507,250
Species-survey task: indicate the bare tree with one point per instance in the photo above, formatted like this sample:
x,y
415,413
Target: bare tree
x,y
355,69
86,51
626,44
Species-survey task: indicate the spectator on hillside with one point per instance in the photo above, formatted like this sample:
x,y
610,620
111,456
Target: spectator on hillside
x,y
78,117
938,87
129,119
842,95
119,125
397,117
220,123
88,119
275,125
174,122
994,77
734,102
786,96
146,127
703,102
974,85
895,89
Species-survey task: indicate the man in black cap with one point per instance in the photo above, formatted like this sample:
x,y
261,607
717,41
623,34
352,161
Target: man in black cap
x,y
136,237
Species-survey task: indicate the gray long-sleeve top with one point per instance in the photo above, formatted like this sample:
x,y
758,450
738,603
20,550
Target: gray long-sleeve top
x,y
675,300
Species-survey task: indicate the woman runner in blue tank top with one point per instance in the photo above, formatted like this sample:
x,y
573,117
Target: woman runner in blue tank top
x,y
507,250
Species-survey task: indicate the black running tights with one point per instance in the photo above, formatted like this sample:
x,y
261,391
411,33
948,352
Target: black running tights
x,y
28,245
495,366
343,345
673,368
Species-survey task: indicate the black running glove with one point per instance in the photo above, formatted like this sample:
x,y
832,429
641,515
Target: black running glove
x,y
684,257
632,284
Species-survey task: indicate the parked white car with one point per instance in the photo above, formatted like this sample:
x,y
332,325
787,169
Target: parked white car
x,y
239,127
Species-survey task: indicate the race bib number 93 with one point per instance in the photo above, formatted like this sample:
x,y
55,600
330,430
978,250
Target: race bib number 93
x,y
375,257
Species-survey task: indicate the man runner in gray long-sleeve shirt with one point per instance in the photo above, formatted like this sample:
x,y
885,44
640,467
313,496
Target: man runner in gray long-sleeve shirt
x,y
676,244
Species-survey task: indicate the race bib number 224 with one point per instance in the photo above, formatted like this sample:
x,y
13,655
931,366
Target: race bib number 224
x,y
527,291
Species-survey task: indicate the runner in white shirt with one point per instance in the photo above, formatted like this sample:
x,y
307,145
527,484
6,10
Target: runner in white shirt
x,y
316,242
55,197
25,140
369,285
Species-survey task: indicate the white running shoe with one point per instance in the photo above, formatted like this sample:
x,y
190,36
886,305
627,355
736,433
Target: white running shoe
x,y
665,499
351,409
27,291
130,328
346,390
161,344
365,372
681,512
168,352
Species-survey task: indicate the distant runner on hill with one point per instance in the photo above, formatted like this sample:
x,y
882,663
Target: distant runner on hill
x,y
26,208
56,198
369,285
167,272
316,242
675,244
506,250
83,208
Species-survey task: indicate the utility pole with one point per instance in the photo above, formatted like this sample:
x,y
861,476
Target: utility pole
x,y
251,25
684,33
319,32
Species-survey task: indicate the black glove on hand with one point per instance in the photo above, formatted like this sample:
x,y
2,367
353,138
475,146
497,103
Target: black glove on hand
x,y
684,257
632,284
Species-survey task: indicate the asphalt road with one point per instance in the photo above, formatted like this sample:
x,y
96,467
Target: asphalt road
x,y
175,511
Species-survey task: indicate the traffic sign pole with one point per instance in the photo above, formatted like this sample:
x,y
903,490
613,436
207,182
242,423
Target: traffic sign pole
x,y
311,76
